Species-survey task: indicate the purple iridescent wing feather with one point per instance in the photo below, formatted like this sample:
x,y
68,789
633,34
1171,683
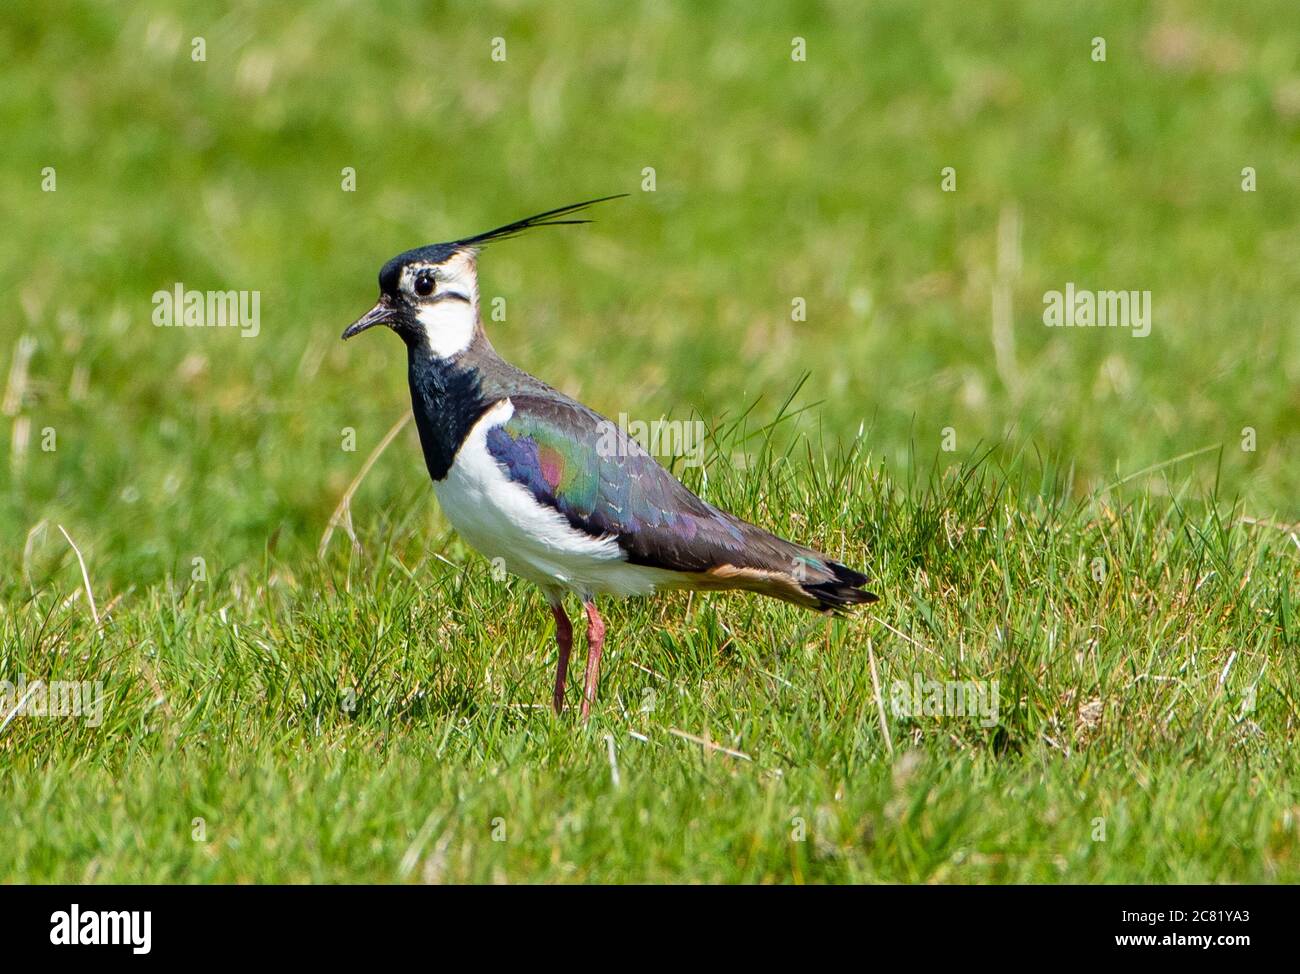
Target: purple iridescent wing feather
x,y
605,484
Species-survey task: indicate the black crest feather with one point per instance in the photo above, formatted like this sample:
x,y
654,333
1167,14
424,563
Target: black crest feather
x,y
548,219
438,252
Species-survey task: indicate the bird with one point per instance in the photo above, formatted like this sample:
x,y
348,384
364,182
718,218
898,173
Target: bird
x,y
539,482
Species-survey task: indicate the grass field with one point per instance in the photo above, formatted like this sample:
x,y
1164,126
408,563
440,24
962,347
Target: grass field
x,y
1097,531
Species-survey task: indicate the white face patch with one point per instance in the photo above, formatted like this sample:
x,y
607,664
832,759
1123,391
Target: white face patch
x,y
450,313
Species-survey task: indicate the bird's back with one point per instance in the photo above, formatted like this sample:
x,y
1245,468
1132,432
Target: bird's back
x,y
585,467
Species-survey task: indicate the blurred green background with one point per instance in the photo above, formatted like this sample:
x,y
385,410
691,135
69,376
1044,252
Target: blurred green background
x,y
775,179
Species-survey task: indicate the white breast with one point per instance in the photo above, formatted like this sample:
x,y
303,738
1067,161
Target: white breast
x,y
502,520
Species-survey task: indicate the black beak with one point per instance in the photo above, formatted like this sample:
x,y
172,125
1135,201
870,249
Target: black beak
x,y
382,313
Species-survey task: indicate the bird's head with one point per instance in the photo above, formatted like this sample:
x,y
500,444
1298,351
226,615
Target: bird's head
x,y
429,295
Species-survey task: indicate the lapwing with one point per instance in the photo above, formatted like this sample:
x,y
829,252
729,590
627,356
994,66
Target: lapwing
x,y
554,490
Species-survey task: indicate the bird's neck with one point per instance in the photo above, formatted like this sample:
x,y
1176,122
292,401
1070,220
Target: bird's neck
x,y
448,396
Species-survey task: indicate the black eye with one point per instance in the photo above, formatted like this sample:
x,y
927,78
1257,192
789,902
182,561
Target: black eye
x,y
424,283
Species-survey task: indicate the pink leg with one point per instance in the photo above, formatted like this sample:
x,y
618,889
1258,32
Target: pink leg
x,y
564,640
595,643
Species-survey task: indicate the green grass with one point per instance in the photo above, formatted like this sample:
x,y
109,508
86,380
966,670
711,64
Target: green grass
x,y
1099,545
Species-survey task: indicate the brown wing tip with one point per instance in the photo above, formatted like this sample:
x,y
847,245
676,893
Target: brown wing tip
x,y
835,595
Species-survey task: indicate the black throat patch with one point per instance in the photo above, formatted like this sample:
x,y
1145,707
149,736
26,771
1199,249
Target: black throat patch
x,y
448,399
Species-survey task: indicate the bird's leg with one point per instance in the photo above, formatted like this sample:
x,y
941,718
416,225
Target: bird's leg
x,y
564,640
595,643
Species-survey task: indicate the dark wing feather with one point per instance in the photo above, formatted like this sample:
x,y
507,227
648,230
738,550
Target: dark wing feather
x,y
586,468
605,484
